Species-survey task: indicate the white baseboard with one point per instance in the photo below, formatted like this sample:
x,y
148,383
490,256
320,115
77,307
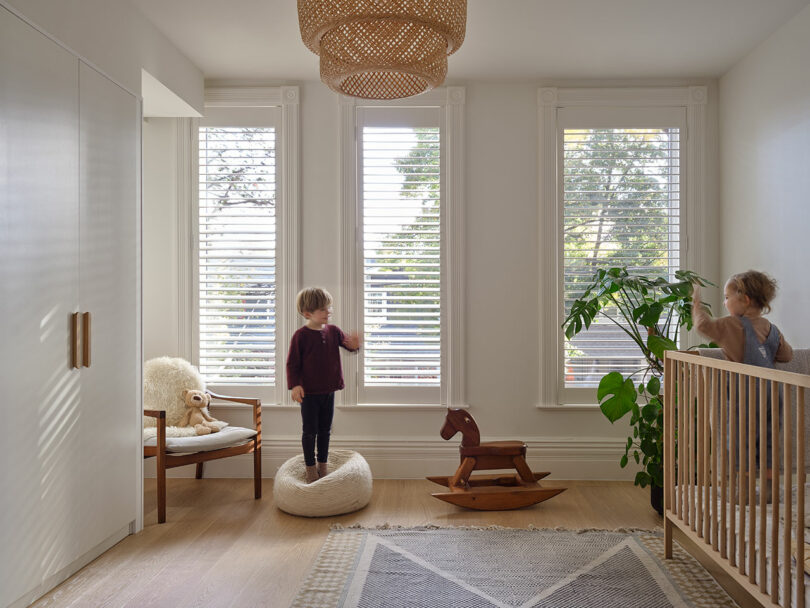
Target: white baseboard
x,y
566,458
71,569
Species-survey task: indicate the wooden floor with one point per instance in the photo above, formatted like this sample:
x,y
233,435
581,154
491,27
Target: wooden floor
x,y
220,547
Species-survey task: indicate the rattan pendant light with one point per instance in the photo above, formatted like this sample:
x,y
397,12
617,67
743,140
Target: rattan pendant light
x,y
382,49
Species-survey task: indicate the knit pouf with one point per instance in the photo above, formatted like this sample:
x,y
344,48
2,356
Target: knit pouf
x,y
346,488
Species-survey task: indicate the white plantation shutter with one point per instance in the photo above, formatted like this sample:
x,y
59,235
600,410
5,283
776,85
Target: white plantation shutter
x,y
237,255
401,260
621,207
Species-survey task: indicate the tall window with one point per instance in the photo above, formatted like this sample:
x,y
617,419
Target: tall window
x,y
403,249
237,255
401,257
620,190
399,155
614,192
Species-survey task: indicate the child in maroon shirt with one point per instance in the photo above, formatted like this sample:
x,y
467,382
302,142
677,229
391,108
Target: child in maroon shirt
x,y
314,374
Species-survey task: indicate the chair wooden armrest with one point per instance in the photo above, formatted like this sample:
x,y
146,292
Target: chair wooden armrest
x,y
246,400
257,409
161,431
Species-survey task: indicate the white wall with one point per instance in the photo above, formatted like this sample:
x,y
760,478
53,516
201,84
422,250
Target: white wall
x,y
160,289
117,39
765,151
502,301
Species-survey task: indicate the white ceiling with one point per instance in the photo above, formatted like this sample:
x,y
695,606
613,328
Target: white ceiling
x,y
258,40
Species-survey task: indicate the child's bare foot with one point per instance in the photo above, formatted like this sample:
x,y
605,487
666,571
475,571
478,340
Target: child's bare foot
x,y
312,474
322,471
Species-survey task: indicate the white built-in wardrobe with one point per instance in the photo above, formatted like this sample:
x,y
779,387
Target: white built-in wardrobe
x,y
69,243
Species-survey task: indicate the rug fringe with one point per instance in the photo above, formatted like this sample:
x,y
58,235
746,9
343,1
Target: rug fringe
x,y
432,526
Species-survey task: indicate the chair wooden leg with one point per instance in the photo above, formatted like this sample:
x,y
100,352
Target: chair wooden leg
x,y
160,471
200,470
257,472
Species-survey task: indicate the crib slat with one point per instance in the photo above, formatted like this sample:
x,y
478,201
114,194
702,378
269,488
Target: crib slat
x,y
788,451
763,449
685,457
752,471
689,423
668,434
706,441
723,449
775,425
681,435
701,438
715,453
742,410
669,448
732,467
800,480
691,439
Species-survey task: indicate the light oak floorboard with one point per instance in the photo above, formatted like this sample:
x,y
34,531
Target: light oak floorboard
x,y
222,548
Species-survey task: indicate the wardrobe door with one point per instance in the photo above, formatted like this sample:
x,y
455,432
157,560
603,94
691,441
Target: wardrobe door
x,y
109,291
39,284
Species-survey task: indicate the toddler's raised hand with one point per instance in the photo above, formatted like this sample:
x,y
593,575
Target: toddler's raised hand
x,y
696,295
352,341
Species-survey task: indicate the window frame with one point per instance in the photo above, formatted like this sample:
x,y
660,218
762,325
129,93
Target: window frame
x,y
242,103
450,103
602,107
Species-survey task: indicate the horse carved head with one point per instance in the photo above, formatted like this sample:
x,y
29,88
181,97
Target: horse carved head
x,y
459,421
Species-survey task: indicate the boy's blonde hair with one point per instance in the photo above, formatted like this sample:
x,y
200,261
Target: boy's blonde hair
x,y
758,286
311,299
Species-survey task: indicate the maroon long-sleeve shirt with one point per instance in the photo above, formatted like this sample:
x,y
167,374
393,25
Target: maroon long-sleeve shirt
x,y
313,360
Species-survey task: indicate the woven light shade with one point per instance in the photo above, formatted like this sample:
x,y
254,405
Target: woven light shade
x,y
382,49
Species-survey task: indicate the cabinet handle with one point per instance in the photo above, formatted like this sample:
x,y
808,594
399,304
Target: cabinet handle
x,y
74,340
86,339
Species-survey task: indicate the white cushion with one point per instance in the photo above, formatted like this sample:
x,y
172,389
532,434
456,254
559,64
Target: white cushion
x,y
227,437
346,488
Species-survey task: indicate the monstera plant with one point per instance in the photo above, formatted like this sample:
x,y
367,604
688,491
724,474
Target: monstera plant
x,y
653,311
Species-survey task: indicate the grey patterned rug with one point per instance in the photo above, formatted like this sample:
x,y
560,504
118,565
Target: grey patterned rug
x,y
504,568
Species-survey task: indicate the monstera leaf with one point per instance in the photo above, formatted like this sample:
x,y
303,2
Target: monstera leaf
x,y
621,395
658,344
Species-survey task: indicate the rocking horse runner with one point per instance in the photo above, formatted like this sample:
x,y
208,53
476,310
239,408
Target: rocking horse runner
x,y
489,492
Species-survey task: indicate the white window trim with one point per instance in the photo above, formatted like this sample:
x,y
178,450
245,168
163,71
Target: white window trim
x,y
451,100
693,209
288,272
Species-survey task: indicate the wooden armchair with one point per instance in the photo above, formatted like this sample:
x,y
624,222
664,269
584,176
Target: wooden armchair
x,y
169,459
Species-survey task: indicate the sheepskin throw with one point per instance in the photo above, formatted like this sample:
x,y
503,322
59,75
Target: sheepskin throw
x,y
164,380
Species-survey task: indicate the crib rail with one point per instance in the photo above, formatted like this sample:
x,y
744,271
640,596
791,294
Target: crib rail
x,y
715,484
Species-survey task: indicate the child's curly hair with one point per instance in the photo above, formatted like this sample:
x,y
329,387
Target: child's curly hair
x,y
311,299
758,286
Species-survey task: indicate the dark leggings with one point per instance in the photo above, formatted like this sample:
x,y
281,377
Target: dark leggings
x,y
316,414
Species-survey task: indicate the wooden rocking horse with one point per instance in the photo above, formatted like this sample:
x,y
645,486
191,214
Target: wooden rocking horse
x,y
489,492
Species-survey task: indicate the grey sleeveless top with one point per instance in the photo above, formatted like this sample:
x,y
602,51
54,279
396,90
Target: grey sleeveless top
x,y
759,354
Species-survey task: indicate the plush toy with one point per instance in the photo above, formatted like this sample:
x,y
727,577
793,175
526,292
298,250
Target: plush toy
x,y
196,416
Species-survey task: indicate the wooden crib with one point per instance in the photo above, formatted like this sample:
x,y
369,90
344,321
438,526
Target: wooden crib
x,y
710,502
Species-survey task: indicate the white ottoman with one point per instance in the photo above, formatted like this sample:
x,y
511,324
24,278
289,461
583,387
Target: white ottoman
x,y
346,488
